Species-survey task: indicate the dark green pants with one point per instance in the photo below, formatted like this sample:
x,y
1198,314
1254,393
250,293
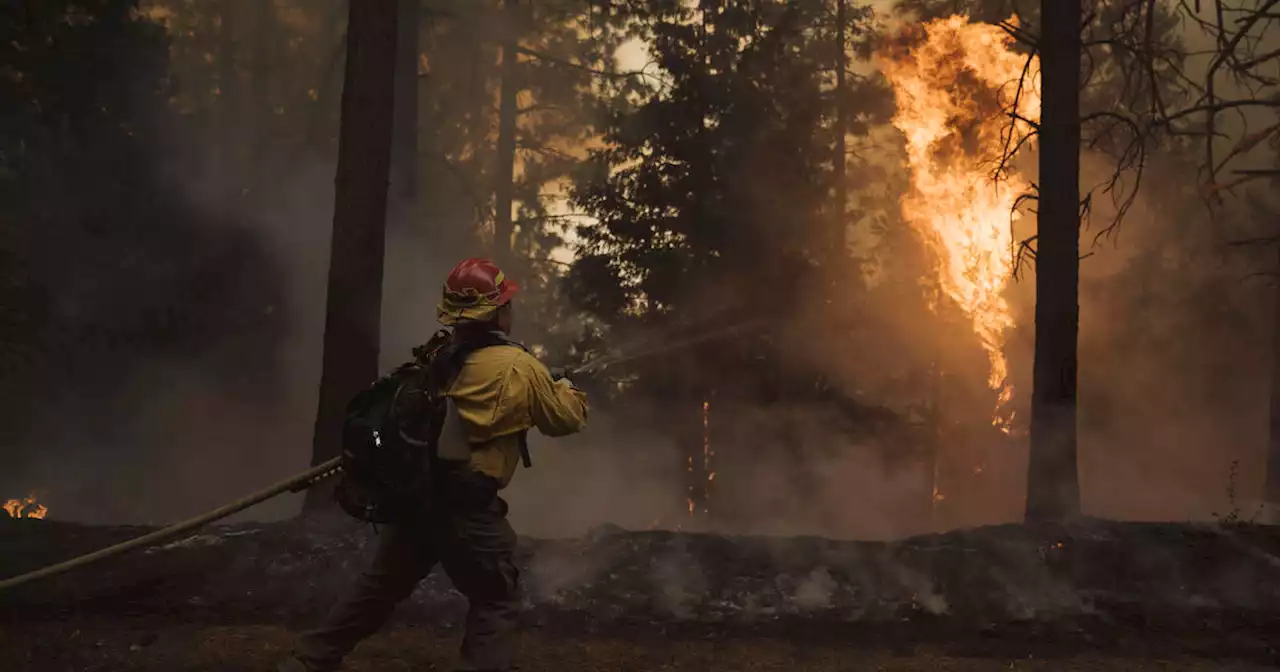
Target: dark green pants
x,y
475,544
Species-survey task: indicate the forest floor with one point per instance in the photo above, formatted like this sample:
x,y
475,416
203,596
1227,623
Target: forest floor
x,y
149,645
1098,596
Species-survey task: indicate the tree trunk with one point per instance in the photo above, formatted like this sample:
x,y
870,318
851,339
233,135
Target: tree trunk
x,y
842,122
404,152
354,306
1053,489
934,458
503,227
1271,495
406,287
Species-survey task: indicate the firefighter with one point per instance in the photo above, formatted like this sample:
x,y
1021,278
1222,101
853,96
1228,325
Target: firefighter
x,y
500,393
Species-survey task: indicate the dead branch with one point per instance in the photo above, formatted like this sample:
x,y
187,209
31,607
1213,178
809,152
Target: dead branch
x,y
1190,105
1012,146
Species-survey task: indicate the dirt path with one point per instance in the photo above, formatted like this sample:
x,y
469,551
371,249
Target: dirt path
x,y
148,646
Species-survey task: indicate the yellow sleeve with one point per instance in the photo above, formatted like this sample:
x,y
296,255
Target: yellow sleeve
x,y
555,406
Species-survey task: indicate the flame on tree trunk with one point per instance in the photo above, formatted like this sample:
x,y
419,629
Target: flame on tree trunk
x,y
354,304
1053,489
708,455
698,453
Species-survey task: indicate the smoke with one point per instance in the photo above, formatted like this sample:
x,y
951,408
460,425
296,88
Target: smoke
x,y
1171,317
1173,323
618,472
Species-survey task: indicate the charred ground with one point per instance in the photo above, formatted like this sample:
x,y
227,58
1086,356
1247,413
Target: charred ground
x,y
1097,595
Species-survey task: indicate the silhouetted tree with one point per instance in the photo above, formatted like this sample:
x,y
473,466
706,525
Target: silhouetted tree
x,y
717,200
106,264
353,311
1271,484
1053,490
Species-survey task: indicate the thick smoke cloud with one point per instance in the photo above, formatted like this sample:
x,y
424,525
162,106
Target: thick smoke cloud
x,y
131,426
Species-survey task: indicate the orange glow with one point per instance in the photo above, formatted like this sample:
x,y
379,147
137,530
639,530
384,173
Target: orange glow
x,y
955,90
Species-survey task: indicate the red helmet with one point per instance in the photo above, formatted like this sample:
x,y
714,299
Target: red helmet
x,y
474,289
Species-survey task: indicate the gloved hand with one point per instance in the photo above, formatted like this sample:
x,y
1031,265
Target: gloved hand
x,y
561,373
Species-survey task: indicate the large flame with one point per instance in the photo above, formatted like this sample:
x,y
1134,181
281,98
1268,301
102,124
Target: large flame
x,y
956,84
25,508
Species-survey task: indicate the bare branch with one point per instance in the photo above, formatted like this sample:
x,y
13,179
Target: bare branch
x,y
1257,60
1179,104
1012,146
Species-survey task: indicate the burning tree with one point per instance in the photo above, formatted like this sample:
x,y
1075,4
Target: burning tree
x,y
955,84
952,81
968,102
1140,86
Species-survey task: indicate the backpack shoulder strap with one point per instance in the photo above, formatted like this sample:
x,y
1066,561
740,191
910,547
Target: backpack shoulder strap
x,y
447,360
500,338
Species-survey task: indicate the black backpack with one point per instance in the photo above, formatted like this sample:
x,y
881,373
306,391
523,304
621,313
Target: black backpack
x,y
391,432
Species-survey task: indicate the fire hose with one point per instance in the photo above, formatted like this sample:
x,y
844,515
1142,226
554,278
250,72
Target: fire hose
x,y
296,483
306,479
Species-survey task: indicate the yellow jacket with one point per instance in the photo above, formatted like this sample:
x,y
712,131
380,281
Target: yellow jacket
x,y
503,391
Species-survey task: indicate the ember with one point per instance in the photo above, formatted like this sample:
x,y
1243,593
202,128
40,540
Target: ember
x,y
25,508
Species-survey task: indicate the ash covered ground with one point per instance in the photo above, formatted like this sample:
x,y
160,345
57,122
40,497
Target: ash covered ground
x,y
1097,595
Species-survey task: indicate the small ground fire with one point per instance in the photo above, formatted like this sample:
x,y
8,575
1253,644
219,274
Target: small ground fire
x,y
26,507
